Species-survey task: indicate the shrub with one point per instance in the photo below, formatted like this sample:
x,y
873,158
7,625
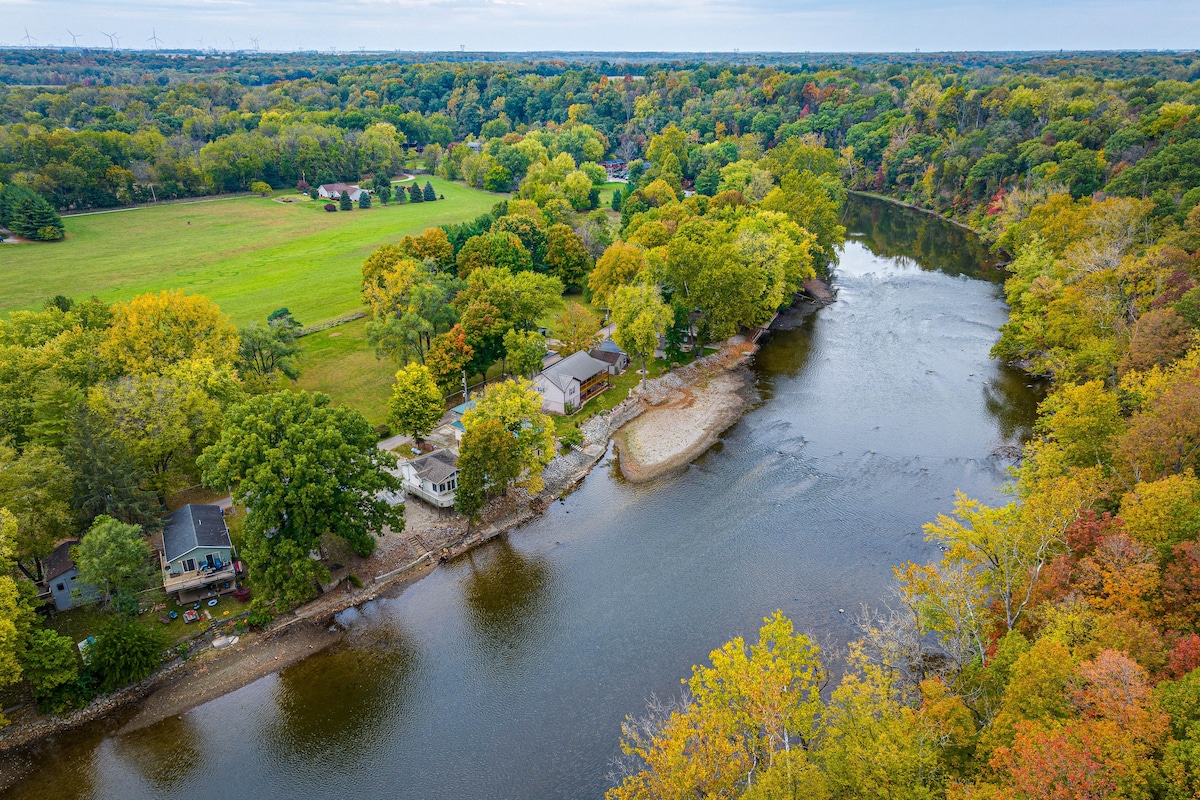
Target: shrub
x,y
355,581
259,616
126,652
242,595
302,186
572,437
330,207
260,187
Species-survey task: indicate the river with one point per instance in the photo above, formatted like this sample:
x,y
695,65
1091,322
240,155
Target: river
x,y
507,673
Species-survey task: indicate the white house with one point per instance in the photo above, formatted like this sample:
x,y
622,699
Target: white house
x,y
432,477
333,191
570,383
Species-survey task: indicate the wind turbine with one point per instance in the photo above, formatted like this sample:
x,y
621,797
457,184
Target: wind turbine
x,y
254,41
74,38
111,38
154,38
28,40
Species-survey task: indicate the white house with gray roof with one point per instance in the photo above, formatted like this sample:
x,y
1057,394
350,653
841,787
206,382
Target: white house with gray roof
x,y
568,384
432,477
197,556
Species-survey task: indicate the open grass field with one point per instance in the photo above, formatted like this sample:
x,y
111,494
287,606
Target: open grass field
x,y
340,363
251,255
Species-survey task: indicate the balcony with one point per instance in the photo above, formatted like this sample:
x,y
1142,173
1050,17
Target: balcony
x,y
196,584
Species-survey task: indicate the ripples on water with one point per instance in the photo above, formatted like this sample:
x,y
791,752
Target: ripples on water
x,y
506,673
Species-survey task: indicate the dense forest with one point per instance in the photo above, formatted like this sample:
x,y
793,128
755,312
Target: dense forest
x,y
1053,651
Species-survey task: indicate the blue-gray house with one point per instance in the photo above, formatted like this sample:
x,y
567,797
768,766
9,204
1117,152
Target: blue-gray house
x,y
61,579
197,557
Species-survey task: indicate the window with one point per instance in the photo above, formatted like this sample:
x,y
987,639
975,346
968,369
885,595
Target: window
x,y
211,562
62,587
189,565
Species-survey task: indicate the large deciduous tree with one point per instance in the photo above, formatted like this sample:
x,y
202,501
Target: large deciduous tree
x,y
113,557
641,317
518,407
416,404
303,469
154,331
576,329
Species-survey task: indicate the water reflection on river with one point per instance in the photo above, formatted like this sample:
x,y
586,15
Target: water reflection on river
x,y
506,674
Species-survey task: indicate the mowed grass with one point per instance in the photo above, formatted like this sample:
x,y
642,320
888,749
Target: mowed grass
x,y
340,363
251,255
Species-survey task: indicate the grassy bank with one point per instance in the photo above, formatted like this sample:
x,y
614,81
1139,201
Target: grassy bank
x,y
251,255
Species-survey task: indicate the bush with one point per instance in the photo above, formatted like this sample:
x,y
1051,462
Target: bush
x,y
49,662
260,187
259,616
572,437
330,207
125,652
242,595
355,581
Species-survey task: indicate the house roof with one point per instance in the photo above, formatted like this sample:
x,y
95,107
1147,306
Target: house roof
x,y
607,357
608,346
435,467
577,366
463,408
59,561
339,187
193,526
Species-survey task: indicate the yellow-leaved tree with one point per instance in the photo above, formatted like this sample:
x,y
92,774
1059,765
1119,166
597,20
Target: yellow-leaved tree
x,y
154,331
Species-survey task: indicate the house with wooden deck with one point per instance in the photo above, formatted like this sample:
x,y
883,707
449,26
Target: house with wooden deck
x,y
197,556
570,383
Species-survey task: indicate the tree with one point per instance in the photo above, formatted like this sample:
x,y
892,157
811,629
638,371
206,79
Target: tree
x,y
35,487
17,616
641,317
496,249
113,557
575,329
49,661
449,354
756,705
265,352
163,421
154,331
524,351
619,265
304,469
106,477
429,193
488,462
29,215
364,200
414,193
125,652
566,256
416,405
345,203
518,407
382,185
260,188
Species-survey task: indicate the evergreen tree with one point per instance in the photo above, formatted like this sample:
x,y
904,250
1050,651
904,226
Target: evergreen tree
x,y
414,193
364,200
430,194
31,217
345,203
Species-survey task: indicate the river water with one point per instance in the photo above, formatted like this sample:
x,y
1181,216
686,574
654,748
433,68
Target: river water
x,y
507,673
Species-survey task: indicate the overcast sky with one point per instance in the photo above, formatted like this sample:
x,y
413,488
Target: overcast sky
x,y
517,25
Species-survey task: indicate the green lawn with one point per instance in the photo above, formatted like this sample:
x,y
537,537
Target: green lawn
x,y
251,255
340,363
